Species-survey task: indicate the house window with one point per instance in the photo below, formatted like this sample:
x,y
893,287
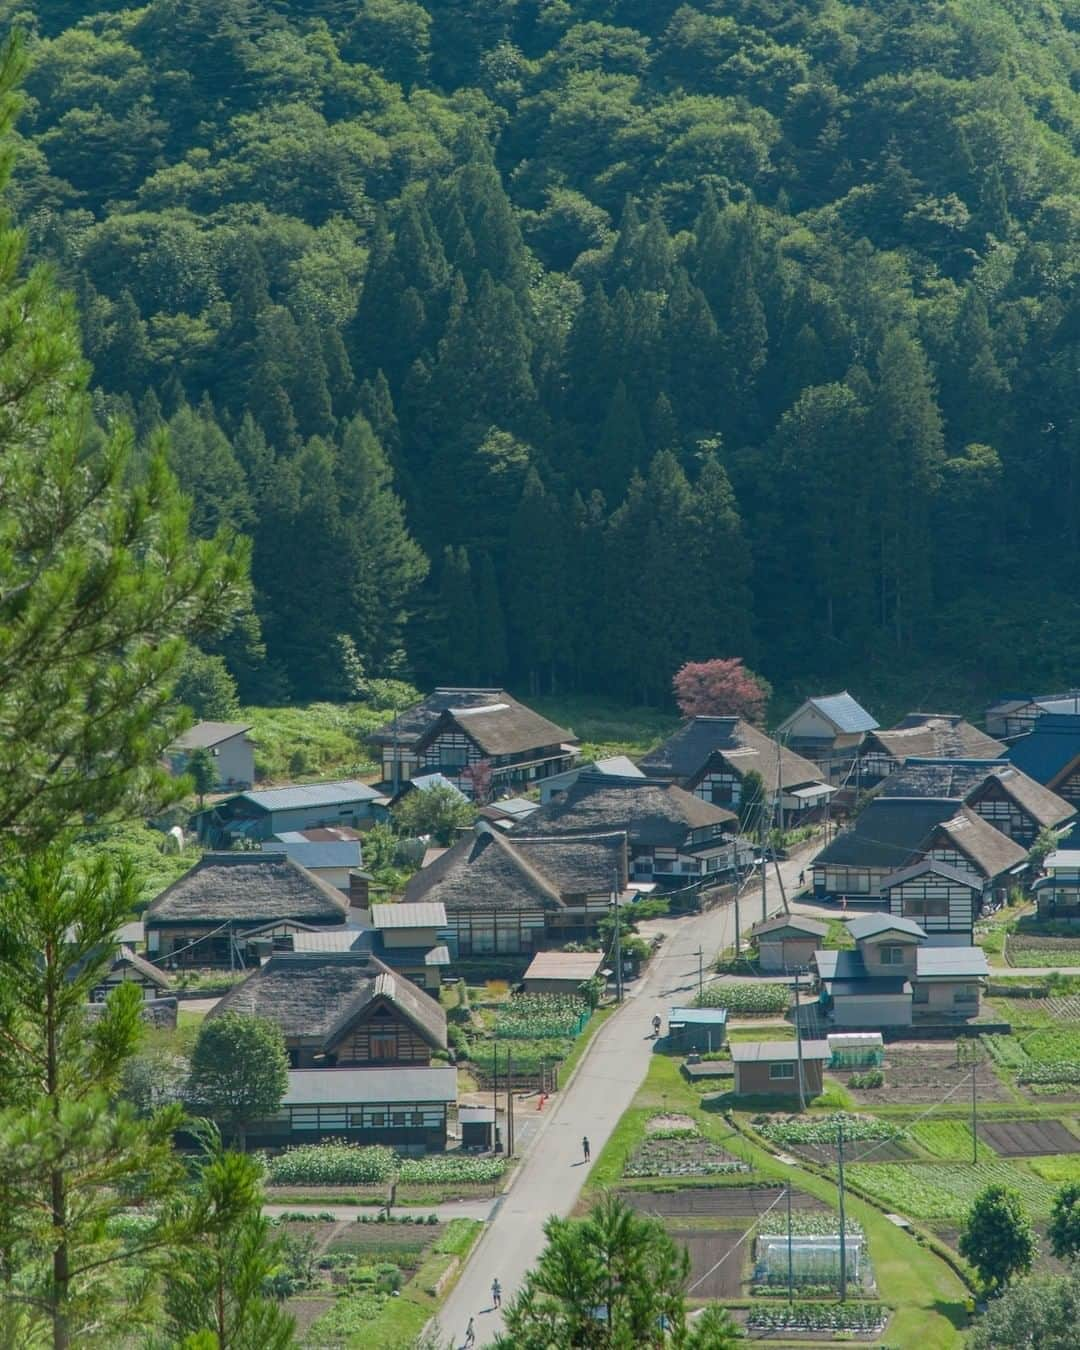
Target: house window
x,y
967,994
399,1118
777,1071
892,956
921,994
925,908
378,1120
384,1043
418,1118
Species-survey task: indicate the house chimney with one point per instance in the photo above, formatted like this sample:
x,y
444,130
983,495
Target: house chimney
x,y
358,890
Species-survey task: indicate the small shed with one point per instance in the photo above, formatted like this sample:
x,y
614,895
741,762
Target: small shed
x,y
700,1029
477,1127
769,1067
787,942
856,1050
561,972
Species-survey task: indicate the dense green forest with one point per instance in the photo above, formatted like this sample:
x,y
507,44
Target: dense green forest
x,y
561,341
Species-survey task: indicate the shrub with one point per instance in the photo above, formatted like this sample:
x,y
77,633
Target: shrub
x,y
872,1078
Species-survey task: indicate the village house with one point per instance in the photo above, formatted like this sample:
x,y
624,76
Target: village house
x,y
271,812
231,749
996,790
675,838
411,939
1014,715
1050,753
787,942
944,901
514,895
828,731
405,1108
768,1068
341,1010
208,916
615,766
561,972
1057,894
129,968
895,977
921,736
892,833
330,853
396,741
711,756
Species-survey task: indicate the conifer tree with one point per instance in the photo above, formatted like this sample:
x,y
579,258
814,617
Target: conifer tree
x,y
490,624
620,449
458,617
535,585
204,463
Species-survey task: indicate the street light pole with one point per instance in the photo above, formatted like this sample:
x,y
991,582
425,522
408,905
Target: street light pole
x,y
618,938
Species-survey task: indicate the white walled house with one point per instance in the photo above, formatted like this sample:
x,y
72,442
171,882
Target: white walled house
x,y
230,747
828,731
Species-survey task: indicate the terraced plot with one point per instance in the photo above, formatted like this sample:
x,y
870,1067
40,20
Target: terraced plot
x,y
735,1201
945,1190
1028,1138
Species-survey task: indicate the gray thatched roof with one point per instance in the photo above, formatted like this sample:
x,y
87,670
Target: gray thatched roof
x,y
413,722
248,888
687,754
934,736
651,813
500,728
966,779
990,850
317,996
487,870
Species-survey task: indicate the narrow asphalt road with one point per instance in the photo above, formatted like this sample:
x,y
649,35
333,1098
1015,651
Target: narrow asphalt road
x,y
553,1173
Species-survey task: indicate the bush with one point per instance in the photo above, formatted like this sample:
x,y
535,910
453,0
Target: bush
x,y
872,1078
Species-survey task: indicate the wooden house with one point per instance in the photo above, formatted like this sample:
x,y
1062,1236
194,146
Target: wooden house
x,y
341,1009
787,942
1015,715
922,736
614,766
828,731
513,895
273,811
330,852
1050,753
411,939
516,746
944,901
206,917
405,1108
711,756
1057,894
396,742
129,968
675,837
229,745
768,1068
561,972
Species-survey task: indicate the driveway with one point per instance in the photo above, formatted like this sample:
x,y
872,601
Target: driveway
x,y
553,1173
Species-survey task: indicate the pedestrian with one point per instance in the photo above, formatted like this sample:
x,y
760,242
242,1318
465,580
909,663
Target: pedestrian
x,y
843,904
802,878
585,1147
496,1293
470,1334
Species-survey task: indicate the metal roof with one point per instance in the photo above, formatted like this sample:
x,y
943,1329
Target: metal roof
x,y
870,925
354,1086
809,927
564,966
940,869
329,940
296,796
856,1040
871,986
340,853
714,1017
844,712
429,914
758,1052
205,735
948,962
1062,857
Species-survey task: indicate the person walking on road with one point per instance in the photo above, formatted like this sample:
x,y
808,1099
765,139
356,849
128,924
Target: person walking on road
x,y
470,1334
585,1147
496,1293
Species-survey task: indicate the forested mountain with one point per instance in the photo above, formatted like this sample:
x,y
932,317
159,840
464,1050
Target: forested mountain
x,y
560,341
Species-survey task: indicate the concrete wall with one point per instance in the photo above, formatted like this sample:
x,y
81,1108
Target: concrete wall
x,y
940,998
871,1013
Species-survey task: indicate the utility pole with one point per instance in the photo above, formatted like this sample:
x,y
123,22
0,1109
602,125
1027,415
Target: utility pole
x,y
798,1045
738,920
509,1104
843,1219
618,937
495,1097
779,784
764,878
700,969
790,1263
974,1099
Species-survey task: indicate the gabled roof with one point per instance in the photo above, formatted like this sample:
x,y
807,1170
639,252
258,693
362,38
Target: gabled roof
x,y
944,963
967,779
487,870
762,1052
810,927
651,813
842,711
930,866
411,724
316,996
990,850
935,736
888,832
577,966
336,853
501,728
205,735
687,753
844,974
126,957
874,925
408,916
296,796
1049,748
246,887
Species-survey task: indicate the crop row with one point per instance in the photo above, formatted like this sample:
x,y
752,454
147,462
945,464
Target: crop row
x,y
945,1190
745,998
541,1016
812,1223
342,1164
826,1129
1058,1071
820,1317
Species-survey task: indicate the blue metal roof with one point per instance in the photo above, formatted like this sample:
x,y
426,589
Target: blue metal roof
x,y
845,713
335,853
1050,746
699,1016
298,796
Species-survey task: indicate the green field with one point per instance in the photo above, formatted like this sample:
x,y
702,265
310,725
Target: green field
x,y
606,728
948,1139
945,1191
1057,1170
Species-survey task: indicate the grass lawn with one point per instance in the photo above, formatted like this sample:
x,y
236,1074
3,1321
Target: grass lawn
x,y
606,728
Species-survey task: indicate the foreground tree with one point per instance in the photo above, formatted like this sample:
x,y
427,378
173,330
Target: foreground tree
x,y
612,1280
1042,1311
439,810
100,582
1064,1230
239,1070
721,688
72,1156
997,1237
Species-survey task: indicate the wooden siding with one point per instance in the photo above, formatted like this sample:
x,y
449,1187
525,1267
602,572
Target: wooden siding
x,y
785,954
754,1079
997,808
380,1036
935,903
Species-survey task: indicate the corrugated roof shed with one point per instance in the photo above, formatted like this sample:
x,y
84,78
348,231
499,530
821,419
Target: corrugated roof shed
x,y
405,915
761,1052
296,796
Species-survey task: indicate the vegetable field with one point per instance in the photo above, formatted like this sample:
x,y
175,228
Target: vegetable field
x,y
949,1139
541,1017
353,1164
1058,1171
945,1190
745,999
826,1129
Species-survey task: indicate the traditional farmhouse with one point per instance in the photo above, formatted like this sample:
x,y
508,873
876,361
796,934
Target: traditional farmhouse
x,y
506,744
894,977
615,766
274,811
396,742
405,1108
514,895
129,968
1050,753
765,1068
207,916
922,736
944,901
1002,794
1058,893
561,972
341,1009
1016,714
330,853
787,942
230,747
711,756
675,838
828,731
892,833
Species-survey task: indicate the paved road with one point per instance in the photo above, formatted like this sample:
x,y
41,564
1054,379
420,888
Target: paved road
x,y
553,1172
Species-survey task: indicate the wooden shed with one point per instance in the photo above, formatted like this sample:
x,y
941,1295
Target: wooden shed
x,y
765,1068
700,1029
787,942
561,972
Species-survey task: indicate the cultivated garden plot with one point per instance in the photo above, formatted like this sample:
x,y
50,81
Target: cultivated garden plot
x,y
674,1147
707,1246
919,1074
718,1202
945,1190
1028,1138
747,1000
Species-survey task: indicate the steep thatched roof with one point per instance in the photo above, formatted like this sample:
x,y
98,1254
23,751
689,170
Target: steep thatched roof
x,y
651,813
687,754
248,888
411,724
502,728
316,997
934,736
967,779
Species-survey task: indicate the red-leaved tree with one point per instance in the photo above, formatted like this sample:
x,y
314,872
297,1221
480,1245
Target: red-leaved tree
x,y
721,688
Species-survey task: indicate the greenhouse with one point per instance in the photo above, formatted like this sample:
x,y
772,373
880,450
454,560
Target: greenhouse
x,y
814,1259
857,1050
